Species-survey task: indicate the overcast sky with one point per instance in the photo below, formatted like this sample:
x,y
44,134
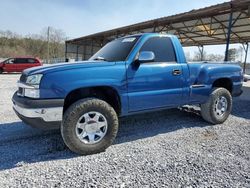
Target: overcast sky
x,y
82,17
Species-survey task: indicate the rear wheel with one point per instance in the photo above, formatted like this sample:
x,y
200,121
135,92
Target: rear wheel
x,y
89,126
1,71
218,107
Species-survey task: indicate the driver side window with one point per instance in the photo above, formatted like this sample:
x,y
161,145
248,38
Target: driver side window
x,y
162,48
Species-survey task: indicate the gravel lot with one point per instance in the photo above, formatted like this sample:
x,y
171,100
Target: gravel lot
x,y
171,148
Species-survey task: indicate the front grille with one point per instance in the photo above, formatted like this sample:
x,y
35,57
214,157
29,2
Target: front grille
x,y
23,78
20,91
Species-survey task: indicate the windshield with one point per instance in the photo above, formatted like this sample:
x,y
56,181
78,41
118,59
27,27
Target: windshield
x,y
116,50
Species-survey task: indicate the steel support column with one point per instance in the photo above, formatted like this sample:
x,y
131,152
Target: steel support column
x,y
201,50
154,29
228,34
77,52
92,47
245,62
84,52
66,52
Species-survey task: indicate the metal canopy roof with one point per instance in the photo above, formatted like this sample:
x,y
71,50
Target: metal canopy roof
x,y
206,26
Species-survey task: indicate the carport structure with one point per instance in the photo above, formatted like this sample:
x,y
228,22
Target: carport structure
x,y
224,23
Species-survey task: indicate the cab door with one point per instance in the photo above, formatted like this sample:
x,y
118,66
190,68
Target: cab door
x,y
21,64
30,62
158,83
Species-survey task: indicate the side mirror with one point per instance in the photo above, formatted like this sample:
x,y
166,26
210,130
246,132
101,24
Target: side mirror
x,y
146,56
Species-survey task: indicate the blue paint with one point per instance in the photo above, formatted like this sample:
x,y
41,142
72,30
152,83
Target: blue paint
x,y
141,87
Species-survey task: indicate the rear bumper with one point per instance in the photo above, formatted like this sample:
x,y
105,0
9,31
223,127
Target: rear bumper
x,y
45,114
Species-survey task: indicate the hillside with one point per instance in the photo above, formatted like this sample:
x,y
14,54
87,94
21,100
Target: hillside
x,y
12,44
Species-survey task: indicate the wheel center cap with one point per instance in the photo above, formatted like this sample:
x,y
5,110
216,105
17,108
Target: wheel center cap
x,y
220,106
91,127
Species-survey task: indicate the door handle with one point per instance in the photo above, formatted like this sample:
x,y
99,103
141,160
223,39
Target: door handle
x,y
176,72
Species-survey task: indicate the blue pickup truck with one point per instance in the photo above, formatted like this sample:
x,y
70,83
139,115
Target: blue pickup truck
x,y
133,74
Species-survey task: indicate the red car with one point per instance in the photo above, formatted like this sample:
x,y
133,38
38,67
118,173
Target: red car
x,y
18,64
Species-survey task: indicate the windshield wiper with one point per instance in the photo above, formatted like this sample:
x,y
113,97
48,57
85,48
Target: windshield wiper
x,y
100,58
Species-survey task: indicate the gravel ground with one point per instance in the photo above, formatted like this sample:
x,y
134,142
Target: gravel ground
x,y
171,148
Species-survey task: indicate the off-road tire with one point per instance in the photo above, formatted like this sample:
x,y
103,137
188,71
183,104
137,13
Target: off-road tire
x,y
74,112
207,109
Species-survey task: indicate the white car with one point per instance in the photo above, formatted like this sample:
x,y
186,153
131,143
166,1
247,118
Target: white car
x,y
246,77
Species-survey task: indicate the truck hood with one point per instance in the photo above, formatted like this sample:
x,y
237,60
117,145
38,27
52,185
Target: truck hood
x,y
66,66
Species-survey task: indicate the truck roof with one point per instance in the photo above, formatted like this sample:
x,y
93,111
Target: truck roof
x,y
149,34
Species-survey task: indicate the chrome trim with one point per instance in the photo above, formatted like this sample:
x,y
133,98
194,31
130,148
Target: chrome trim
x,y
197,86
47,114
26,86
20,94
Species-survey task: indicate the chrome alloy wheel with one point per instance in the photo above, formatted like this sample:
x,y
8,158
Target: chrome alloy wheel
x,y
221,106
91,127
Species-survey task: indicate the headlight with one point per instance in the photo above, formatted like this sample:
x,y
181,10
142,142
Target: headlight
x,y
34,79
31,87
32,93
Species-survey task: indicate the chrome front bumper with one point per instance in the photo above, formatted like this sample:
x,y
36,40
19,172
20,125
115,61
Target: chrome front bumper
x,y
46,114
39,113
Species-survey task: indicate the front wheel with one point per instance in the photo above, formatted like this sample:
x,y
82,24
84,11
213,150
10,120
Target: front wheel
x,y
89,126
1,71
218,107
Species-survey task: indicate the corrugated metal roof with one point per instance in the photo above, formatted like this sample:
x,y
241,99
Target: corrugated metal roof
x,y
205,26
210,21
